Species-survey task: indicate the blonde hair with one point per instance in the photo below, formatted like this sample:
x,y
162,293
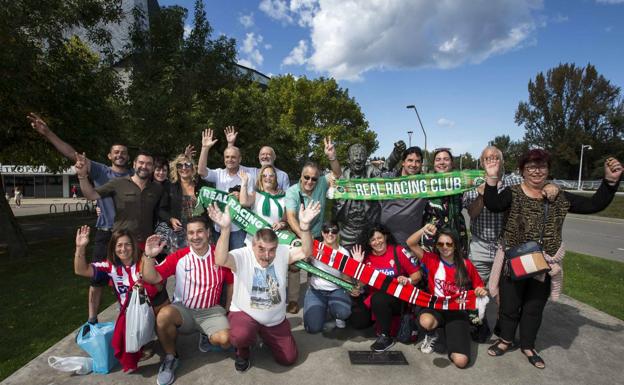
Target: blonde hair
x,y
173,170
259,186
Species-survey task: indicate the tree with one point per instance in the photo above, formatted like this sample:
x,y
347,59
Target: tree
x,y
568,107
512,150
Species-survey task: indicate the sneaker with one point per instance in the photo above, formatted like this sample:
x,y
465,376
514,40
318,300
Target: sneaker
x,y
382,343
329,326
166,374
428,343
204,344
242,364
340,323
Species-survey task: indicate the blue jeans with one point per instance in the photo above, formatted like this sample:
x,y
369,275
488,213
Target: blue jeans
x,y
317,303
237,239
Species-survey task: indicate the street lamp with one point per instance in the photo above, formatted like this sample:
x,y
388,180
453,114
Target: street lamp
x,y
409,134
424,133
583,147
461,158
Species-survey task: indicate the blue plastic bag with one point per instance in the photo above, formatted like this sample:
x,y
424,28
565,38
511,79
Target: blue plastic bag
x,y
96,341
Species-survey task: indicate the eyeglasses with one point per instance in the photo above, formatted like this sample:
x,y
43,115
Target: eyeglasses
x,y
184,165
445,244
532,169
331,230
491,158
268,175
308,177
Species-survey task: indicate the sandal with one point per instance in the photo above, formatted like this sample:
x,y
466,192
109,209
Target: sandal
x,y
496,351
535,359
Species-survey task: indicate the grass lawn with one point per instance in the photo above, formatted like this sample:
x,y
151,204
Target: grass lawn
x,y
41,301
595,281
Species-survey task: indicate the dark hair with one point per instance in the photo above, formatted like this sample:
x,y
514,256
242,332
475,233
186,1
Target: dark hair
x,y
412,150
198,219
329,224
265,235
442,149
111,256
536,155
310,163
160,162
462,280
368,234
117,144
144,153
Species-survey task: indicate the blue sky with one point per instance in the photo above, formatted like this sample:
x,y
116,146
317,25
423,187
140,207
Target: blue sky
x,y
464,64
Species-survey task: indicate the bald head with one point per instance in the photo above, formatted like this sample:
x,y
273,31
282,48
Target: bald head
x,y
232,158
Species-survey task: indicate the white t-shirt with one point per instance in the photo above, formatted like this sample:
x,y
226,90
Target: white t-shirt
x,y
319,283
259,292
224,181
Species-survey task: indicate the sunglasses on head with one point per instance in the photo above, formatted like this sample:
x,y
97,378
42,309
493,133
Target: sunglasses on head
x,y
331,230
184,165
445,244
308,177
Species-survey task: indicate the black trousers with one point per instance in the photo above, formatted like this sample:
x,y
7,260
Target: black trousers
x,y
522,304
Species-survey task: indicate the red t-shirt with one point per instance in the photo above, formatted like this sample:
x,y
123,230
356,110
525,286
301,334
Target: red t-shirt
x,y
441,275
385,263
123,279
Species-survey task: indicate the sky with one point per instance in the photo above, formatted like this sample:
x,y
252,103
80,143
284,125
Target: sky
x,y
465,65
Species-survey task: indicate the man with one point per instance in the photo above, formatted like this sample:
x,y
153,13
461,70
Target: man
x,y
353,216
225,179
311,187
100,174
266,157
258,303
403,217
136,197
198,286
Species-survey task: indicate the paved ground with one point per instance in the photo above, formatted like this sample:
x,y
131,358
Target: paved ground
x,y
593,235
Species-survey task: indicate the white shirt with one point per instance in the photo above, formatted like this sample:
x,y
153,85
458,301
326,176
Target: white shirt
x,y
260,292
319,283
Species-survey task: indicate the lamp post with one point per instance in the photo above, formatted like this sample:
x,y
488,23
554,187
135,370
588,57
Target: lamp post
x,y
583,147
424,133
461,158
409,134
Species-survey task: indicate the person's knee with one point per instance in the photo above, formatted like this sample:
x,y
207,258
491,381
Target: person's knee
x,y
240,335
313,318
221,337
168,316
341,311
288,357
460,360
427,322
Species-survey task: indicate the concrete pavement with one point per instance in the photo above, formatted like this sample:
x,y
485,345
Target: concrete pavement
x,y
593,235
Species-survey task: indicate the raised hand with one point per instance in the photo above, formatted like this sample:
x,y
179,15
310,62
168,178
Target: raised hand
x,y
230,135
244,177
492,169
81,165
208,138
357,253
154,245
399,147
221,218
82,236
613,170
330,148
189,151
430,229
307,215
38,124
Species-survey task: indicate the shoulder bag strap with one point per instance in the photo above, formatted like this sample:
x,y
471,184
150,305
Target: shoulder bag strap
x,y
541,241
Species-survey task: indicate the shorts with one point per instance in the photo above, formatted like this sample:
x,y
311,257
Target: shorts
x,y
208,321
100,249
456,326
160,297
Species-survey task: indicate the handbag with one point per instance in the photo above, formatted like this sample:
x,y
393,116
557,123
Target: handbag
x,y
527,259
139,321
96,341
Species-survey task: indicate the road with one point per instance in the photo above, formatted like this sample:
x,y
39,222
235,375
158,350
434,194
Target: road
x,y
588,234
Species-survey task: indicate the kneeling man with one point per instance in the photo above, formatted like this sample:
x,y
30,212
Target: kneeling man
x,y
260,276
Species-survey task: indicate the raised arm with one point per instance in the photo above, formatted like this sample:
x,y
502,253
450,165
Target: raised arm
x,y
306,216
330,151
222,255
395,156
230,135
207,143
81,267
153,246
82,172
245,199
603,196
413,242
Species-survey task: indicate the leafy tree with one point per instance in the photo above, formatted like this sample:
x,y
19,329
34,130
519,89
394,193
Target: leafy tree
x,y
568,107
512,150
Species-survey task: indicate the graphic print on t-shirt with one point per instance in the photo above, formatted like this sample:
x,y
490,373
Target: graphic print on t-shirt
x,y
265,288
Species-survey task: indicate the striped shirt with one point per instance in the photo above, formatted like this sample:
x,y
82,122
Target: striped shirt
x,y
123,279
199,280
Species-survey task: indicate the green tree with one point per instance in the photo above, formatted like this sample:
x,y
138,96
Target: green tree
x,y
512,150
568,107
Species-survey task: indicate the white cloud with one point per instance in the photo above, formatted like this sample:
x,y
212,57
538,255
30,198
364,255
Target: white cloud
x,y
246,20
350,37
298,54
251,54
444,122
268,46
187,30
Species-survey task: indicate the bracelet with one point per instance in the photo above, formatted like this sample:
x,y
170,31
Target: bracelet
x,y
492,177
82,177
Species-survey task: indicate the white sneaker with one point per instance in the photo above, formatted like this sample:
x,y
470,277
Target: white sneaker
x,y
428,343
166,372
340,323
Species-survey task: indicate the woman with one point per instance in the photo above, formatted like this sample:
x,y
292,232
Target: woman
x,y
383,255
323,296
181,198
448,273
267,200
522,302
161,171
445,211
122,266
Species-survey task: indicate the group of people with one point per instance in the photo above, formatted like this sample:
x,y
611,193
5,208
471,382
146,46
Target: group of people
x,y
231,286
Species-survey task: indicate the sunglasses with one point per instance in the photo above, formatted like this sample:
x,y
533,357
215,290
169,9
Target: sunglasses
x,y
184,165
445,244
308,177
268,175
331,230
